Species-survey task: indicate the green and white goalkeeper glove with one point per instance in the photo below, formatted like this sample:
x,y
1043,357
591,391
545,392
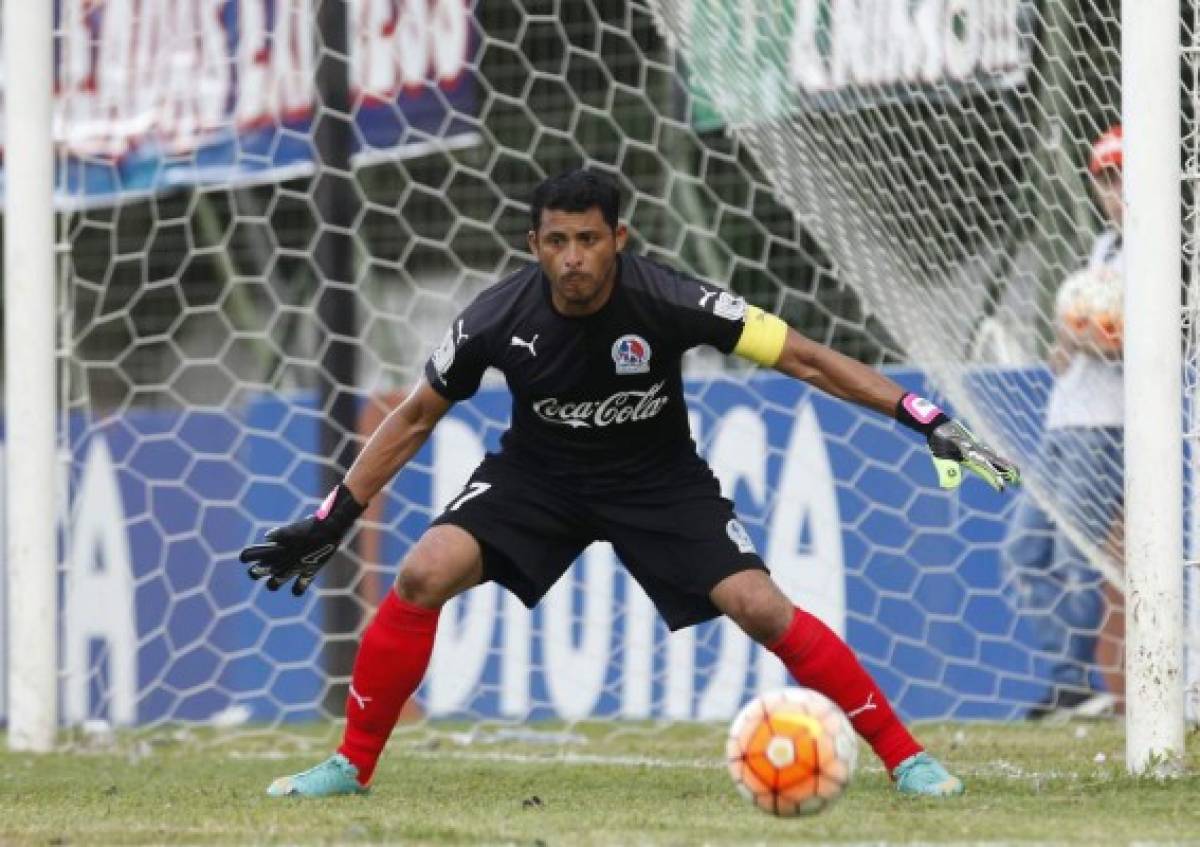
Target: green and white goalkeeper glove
x,y
302,548
954,447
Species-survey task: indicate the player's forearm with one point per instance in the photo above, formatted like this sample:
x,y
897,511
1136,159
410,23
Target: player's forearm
x,y
953,446
401,435
838,375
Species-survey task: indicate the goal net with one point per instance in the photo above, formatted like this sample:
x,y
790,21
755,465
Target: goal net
x,y
270,211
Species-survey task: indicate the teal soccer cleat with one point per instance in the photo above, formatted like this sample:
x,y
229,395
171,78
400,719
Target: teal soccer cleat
x,y
333,777
922,775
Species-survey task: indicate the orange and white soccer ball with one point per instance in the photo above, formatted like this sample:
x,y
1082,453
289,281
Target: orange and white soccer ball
x,y
791,752
1090,310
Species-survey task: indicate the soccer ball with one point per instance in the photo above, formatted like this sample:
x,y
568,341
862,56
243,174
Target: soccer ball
x,y
791,752
1090,310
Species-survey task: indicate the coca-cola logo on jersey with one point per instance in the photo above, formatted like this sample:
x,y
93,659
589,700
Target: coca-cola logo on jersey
x,y
618,408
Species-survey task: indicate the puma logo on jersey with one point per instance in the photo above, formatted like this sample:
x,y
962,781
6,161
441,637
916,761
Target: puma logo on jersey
x,y
359,699
706,296
868,706
528,345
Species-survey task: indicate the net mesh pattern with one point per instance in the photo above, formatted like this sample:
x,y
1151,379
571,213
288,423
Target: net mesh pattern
x,y
271,212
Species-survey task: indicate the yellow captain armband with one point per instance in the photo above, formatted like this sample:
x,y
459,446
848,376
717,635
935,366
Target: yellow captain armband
x,y
762,337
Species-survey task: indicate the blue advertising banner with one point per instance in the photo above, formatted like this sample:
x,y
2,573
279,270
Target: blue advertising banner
x,y
160,622
156,93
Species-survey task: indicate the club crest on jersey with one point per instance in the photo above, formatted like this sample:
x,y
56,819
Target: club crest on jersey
x,y
631,354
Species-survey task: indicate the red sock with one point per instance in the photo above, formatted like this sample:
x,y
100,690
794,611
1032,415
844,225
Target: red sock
x,y
818,659
391,661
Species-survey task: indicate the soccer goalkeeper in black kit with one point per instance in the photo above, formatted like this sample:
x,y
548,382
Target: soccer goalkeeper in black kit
x,y
590,340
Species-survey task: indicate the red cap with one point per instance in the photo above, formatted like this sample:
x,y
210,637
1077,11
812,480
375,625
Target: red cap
x,y
1106,151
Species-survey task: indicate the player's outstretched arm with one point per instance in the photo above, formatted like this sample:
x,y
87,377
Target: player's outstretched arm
x,y
302,548
395,441
769,341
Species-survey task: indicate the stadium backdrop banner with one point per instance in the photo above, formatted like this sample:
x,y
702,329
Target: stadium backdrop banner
x,y
139,109
821,54
841,502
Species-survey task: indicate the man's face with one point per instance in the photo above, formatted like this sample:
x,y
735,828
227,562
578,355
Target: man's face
x,y
1108,187
578,254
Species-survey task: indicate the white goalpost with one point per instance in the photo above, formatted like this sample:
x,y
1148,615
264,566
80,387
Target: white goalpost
x,y
1150,43
30,379
272,210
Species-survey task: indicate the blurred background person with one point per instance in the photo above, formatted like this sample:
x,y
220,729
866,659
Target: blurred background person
x,y
1060,592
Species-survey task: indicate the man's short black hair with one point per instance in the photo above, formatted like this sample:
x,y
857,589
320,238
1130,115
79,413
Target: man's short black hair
x,y
577,191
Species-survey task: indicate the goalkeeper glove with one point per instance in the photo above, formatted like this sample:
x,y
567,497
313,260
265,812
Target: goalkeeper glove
x,y
302,548
954,447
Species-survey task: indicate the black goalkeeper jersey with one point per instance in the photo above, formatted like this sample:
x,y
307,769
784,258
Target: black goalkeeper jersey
x,y
597,398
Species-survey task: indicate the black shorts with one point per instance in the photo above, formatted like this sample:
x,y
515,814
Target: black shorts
x,y
677,538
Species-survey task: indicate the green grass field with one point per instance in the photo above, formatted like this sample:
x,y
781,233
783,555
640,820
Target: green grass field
x,y
1063,783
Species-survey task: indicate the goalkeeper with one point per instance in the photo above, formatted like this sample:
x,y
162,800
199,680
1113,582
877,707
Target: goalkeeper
x,y
1059,591
590,341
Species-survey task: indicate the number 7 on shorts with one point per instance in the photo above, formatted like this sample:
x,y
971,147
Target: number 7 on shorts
x,y
473,489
